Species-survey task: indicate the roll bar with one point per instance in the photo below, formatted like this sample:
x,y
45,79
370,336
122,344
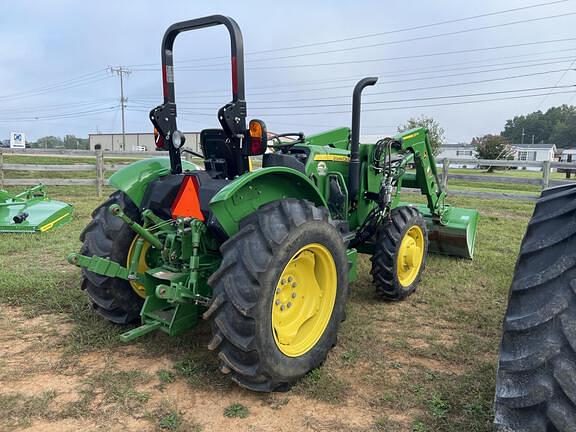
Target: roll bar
x,y
354,173
232,116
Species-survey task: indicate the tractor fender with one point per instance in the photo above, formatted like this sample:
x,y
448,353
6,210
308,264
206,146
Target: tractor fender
x,y
252,190
134,178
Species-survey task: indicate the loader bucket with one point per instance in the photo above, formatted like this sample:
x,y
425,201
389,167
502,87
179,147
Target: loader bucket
x,y
31,211
455,235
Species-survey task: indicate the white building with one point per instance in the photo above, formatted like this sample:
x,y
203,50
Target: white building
x,y
458,151
534,153
137,142
567,155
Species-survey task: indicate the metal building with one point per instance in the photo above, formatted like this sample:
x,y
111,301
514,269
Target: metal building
x,y
137,142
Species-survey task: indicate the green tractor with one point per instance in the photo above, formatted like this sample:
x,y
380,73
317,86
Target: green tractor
x,y
266,256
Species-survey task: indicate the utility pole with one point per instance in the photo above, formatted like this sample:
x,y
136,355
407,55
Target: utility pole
x,y
121,71
522,136
532,139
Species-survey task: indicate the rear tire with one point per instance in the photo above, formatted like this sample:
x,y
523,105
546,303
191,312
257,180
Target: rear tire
x,y
536,377
108,236
245,286
387,249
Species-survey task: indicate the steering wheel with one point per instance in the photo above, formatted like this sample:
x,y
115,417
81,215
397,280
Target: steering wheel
x,y
284,147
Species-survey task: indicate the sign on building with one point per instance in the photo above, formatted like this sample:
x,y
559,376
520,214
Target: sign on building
x,y
17,140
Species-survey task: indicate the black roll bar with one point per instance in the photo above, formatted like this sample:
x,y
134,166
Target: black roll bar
x,y
232,116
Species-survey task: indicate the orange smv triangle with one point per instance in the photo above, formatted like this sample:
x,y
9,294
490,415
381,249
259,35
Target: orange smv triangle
x,y
187,203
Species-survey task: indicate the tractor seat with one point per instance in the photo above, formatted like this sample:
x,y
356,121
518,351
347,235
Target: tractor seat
x,y
219,158
283,160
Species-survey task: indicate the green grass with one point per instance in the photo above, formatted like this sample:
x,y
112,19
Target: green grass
x,y
19,410
236,410
168,418
430,358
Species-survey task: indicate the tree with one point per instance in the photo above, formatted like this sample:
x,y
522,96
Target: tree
x,y
493,147
555,126
435,131
75,143
49,142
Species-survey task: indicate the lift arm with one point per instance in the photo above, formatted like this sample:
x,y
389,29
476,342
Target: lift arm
x,y
417,141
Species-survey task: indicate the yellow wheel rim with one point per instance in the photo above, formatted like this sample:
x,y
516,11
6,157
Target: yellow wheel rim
x,y
410,256
304,299
142,266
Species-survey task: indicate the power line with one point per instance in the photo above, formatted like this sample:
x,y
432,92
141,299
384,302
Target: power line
x,y
416,99
387,109
379,84
407,57
418,106
372,93
557,82
372,35
419,27
69,115
198,94
414,39
423,98
411,71
62,85
51,108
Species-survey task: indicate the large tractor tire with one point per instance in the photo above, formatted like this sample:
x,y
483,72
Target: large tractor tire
x,y
108,236
400,254
536,378
279,295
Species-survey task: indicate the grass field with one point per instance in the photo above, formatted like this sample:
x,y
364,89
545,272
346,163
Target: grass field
x,y
425,364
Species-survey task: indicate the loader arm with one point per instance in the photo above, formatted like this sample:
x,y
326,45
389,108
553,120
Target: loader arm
x,y
417,141
451,230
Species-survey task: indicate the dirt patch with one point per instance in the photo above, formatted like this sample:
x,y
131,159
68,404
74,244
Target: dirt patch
x,y
402,358
32,364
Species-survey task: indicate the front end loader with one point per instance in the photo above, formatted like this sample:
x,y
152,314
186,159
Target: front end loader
x,y
266,256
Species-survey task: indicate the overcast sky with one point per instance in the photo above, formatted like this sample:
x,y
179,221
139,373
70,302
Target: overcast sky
x,y
54,57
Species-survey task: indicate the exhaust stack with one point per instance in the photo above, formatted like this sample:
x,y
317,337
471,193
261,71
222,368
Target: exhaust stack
x,y
354,173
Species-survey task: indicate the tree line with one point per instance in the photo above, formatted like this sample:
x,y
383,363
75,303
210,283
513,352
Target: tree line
x,y
557,125
70,142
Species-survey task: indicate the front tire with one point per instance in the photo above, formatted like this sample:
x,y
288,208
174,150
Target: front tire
x,y
287,257
108,236
400,254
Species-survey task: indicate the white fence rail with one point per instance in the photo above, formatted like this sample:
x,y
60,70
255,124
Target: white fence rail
x,y
99,167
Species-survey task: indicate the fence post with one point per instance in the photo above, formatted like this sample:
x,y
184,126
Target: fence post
x,y
99,172
545,174
1,169
445,168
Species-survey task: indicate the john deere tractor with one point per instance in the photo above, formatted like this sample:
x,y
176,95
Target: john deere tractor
x,y
266,256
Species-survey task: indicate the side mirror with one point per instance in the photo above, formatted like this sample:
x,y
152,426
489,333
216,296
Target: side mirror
x,y
257,138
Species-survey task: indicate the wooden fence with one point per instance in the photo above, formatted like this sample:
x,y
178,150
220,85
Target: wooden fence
x,y
99,167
